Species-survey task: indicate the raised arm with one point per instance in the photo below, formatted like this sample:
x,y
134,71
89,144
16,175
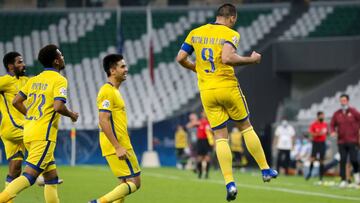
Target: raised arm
x,y
231,58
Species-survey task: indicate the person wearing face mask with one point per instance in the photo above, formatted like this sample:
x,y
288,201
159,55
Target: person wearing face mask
x,y
345,124
318,130
284,142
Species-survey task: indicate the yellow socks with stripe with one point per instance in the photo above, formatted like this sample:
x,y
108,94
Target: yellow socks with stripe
x,y
16,186
119,192
224,156
51,194
253,145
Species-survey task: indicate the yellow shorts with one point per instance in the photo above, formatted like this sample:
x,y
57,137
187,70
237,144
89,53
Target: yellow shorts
x,y
41,155
223,104
14,149
124,168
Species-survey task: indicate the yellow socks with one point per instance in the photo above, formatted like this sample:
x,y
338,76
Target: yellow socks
x,y
119,192
14,188
6,184
254,147
51,194
224,156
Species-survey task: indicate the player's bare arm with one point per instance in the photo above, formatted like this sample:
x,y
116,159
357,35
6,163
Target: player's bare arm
x,y
104,121
231,58
18,103
60,107
183,59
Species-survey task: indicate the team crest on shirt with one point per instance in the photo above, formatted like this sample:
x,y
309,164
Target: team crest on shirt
x,y
235,40
63,91
106,104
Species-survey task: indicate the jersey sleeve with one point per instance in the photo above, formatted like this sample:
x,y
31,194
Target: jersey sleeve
x,y
233,38
104,101
25,89
187,45
60,90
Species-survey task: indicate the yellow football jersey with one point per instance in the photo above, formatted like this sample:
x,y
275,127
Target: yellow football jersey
x,y
12,120
41,121
109,100
207,41
181,139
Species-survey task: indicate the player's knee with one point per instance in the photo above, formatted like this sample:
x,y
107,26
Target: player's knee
x,y
30,178
53,181
243,125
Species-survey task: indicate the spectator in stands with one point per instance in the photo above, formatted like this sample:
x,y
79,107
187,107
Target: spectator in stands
x,y
345,123
318,130
284,142
236,145
180,144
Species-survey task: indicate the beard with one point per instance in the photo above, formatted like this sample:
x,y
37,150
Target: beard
x,y
19,73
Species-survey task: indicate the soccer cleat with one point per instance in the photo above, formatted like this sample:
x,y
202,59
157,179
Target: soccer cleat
x,y
343,184
268,174
93,201
231,191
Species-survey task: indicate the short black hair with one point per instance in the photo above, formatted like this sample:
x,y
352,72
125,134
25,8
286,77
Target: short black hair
x,y
226,10
319,113
346,96
47,55
110,60
9,58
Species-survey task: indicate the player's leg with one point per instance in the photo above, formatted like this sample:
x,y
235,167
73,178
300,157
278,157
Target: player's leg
x,y
238,111
314,152
207,160
322,150
343,160
51,181
128,171
312,159
31,171
199,167
218,118
354,161
14,151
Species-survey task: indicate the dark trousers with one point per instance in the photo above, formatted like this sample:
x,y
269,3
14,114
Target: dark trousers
x,y
345,150
283,160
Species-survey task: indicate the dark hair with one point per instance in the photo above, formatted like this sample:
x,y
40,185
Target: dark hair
x,y
346,96
47,55
319,113
9,58
109,61
226,10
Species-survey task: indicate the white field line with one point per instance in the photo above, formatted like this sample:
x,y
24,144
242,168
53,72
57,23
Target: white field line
x,y
292,191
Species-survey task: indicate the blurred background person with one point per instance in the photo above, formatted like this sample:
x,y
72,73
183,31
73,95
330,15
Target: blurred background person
x,y
318,130
181,143
236,145
203,147
302,153
345,123
191,128
284,142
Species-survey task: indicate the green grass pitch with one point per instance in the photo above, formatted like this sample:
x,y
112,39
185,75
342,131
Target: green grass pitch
x,y
169,185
